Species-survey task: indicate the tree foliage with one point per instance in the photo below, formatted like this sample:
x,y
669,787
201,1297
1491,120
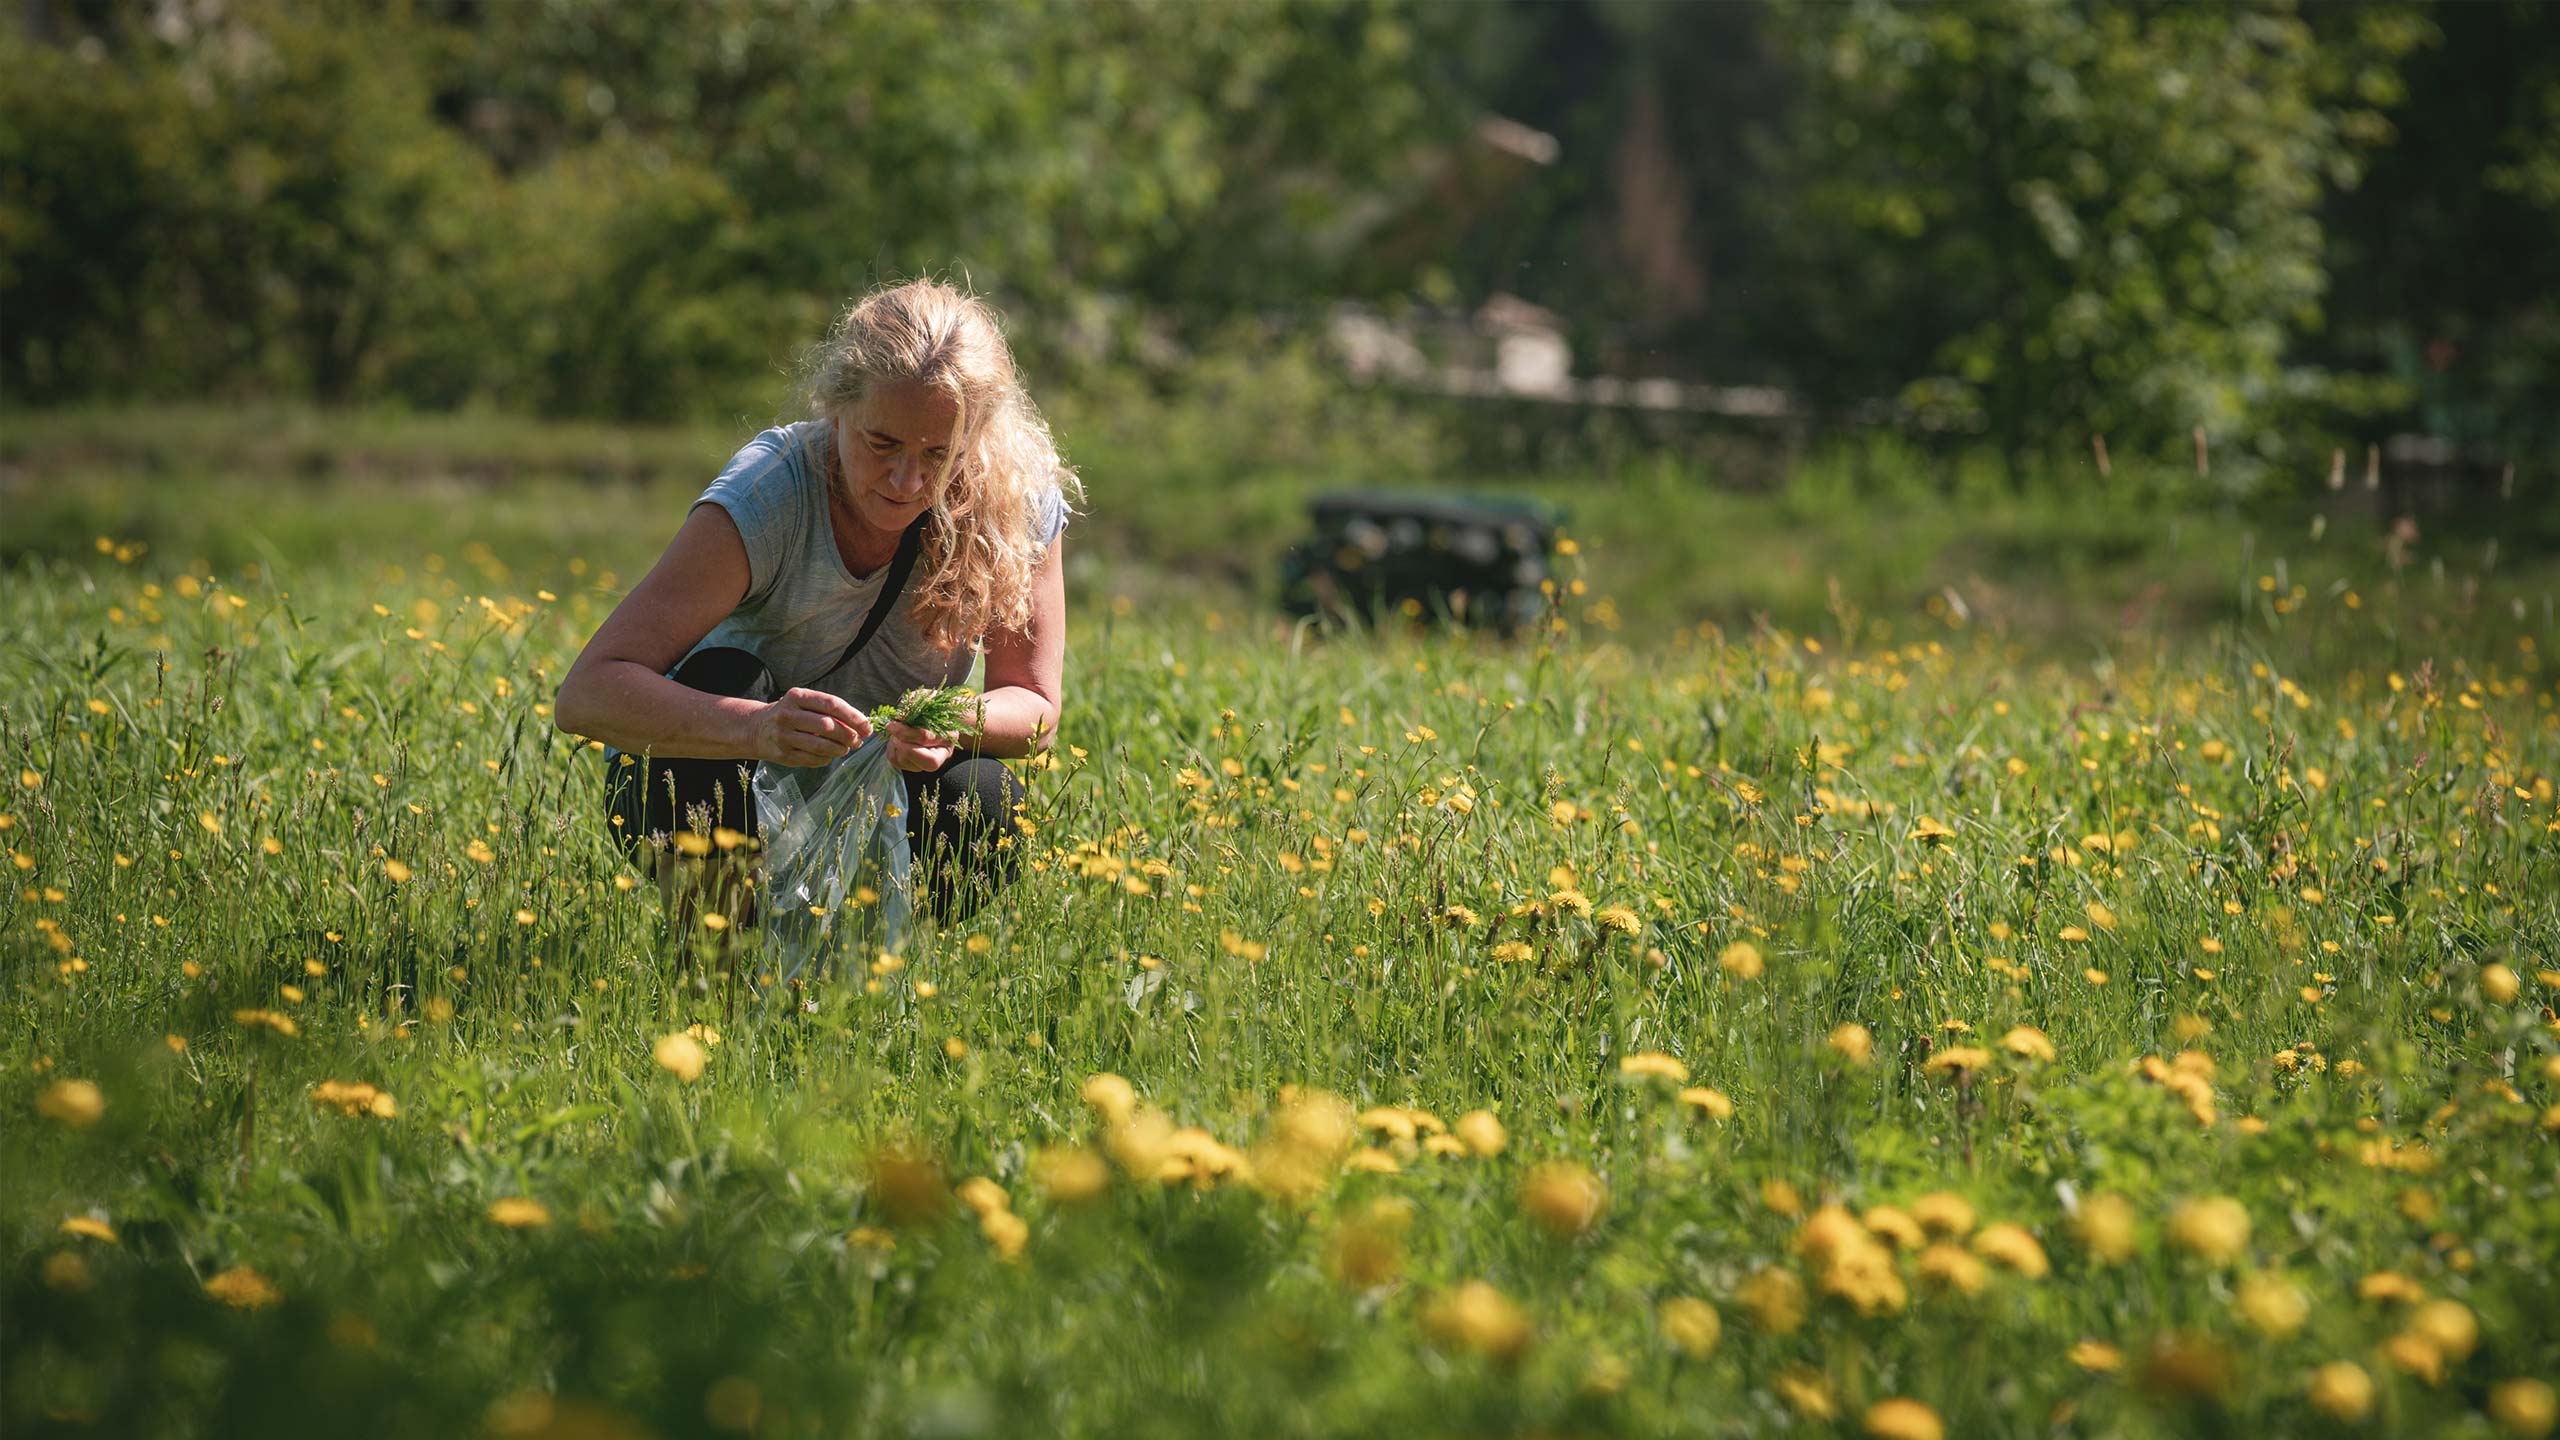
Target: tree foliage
x,y
612,209
2031,221
2064,220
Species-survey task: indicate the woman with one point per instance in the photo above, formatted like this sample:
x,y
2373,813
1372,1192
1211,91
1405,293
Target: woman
x,y
912,521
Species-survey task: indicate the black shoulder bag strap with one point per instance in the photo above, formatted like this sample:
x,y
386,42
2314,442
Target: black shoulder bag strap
x,y
910,545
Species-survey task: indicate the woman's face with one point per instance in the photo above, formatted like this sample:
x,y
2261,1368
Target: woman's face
x,y
895,443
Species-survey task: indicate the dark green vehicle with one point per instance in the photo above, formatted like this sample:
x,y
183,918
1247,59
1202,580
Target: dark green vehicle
x,y
1471,559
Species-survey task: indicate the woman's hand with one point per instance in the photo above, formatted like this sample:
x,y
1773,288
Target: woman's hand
x,y
810,727
919,750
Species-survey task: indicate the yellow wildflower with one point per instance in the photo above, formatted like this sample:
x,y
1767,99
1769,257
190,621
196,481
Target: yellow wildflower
x,y
2012,1246
1481,1133
1853,1041
73,1104
2342,1390
1903,1419
519,1213
242,1288
680,1055
1691,1325
1654,1064
1566,1199
2525,1407
1478,1317
2216,1228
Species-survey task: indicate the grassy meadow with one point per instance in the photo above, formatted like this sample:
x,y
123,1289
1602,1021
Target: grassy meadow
x,y
2025,969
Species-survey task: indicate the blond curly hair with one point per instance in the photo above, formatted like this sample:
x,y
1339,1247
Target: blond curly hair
x,y
982,548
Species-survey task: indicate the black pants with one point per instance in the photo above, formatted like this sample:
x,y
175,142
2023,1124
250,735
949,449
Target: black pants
x,y
961,819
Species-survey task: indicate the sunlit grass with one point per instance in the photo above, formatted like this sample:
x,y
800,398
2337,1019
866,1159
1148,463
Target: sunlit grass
x,y
1720,1031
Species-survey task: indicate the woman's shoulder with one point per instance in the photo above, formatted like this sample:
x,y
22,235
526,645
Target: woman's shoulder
x,y
768,491
779,451
1049,512
768,478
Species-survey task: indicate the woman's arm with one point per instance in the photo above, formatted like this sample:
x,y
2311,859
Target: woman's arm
x,y
1025,682
618,690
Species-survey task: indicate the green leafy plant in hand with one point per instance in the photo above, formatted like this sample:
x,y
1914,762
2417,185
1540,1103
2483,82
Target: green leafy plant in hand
x,y
939,710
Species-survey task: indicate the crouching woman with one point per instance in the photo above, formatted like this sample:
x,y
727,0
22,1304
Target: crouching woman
x,y
912,522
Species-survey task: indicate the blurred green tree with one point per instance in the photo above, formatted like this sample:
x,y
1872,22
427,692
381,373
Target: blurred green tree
x,y
2046,221
586,207
2445,262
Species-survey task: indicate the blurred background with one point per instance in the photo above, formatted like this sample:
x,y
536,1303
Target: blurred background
x,y
2010,312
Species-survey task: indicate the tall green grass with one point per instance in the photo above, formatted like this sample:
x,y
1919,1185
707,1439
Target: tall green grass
x,y
2275,883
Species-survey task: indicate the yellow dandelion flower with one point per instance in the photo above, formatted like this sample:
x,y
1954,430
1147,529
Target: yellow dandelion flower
x,y
516,1212
1707,1101
2028,1043
680,1055
2014,1247
1006,1233
1653,1064
2416,1354
1110,1096
1564,1198
1371,1160
1854,1041
1691,1325
2097,1357
354,1098
2390,1286
2449,1325
2215,1228
1741,960
1943,1213
2272,1305
983,1195
1481,1133
2341,1390
72,1104
1895,1225
242,1288
2524,1407
1959,1060
1807,1393
1903,1419
1775,1299
1070,1174
1953,1269
1477,1317
89,1227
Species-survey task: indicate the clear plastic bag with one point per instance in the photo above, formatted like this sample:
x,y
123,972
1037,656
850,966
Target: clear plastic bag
x,y
827,831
